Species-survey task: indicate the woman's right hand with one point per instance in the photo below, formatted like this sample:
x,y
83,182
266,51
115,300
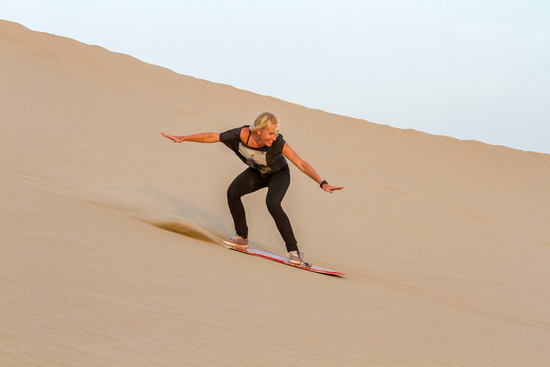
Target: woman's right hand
x,y
175,139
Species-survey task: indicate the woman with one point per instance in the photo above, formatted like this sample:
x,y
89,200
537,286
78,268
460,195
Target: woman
x,y
263,149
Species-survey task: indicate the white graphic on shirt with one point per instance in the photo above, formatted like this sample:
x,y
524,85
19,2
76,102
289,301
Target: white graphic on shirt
x,y
255,156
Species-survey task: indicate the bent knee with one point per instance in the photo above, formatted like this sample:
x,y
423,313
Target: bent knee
x,y
274,205
233,193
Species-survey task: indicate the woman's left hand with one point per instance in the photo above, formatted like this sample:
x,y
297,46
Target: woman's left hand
x,y
330,189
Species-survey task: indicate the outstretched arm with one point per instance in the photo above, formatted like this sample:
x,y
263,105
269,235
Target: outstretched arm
x,y
307,169
197,138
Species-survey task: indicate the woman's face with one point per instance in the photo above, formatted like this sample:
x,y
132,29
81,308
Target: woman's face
x,y
268,134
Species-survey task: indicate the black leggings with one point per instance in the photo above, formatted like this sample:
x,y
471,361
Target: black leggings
x,y
277,184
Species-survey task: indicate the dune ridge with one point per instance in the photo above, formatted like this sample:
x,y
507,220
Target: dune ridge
x,y
108,230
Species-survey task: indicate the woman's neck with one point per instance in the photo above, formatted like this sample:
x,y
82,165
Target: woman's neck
x,y
257,139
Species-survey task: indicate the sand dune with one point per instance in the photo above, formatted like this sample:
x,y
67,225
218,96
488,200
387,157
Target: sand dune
x,y
445,243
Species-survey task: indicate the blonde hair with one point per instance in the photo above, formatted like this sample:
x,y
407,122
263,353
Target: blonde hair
x,y
263,120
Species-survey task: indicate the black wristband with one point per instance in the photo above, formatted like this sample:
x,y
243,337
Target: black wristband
x,y
324,182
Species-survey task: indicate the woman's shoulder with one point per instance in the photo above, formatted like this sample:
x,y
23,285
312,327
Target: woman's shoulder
x,y
234,134
280,140
278,144
244,133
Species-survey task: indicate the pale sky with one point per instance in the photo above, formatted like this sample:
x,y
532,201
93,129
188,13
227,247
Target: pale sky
x,y
470,69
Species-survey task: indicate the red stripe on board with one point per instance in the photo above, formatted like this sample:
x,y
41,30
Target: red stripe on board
x,y
283,260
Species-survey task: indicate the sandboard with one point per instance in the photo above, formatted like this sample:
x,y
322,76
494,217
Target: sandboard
x,y
284,260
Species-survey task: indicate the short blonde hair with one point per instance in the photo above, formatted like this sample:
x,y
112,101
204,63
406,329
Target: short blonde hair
x,y
263,120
